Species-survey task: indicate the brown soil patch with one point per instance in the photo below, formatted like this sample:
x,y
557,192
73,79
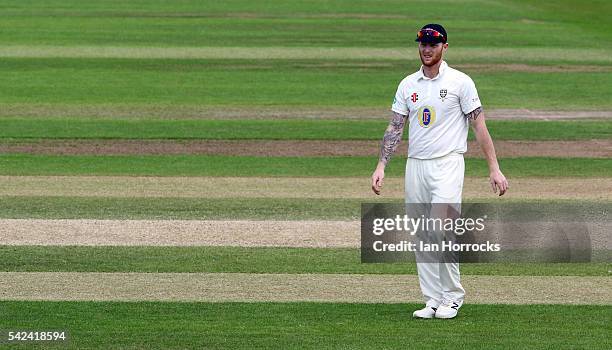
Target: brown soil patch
x,y
244,233
586,149
293,148
485,68
286,187
115,111
528,114
464,54
305,15
350,288
257,233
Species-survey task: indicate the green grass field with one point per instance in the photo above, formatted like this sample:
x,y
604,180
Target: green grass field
x,y
178,208
304,23
33,128
310,325
249,260
542,35
196,165
273,83
168,208
300,70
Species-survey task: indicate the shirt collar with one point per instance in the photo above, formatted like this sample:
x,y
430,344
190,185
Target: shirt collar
x,y
443,67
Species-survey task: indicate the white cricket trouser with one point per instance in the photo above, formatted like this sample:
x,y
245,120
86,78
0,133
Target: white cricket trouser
x,y
438,180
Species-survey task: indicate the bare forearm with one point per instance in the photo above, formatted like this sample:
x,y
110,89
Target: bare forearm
x,y
499,183
392,138
486,144
484,140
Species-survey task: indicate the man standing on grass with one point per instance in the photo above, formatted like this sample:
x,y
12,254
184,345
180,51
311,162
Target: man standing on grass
x,y
439,103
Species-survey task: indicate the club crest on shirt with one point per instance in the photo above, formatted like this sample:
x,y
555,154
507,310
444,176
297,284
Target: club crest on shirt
x,y
443,93
427,116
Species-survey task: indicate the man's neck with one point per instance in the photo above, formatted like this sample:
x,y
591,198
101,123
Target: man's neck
x,y
432,71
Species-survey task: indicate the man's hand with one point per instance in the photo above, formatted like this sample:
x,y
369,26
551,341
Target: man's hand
x,y
377,179
498,182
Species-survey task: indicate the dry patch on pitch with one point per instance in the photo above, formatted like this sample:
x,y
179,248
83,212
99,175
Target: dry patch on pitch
x,y
527,68
245,15
249,15
471,54
243,233
350,288
286,187
271,233
136,111
292,148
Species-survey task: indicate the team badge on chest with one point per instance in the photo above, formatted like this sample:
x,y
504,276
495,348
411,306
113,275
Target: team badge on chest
x,y
443,93
427,116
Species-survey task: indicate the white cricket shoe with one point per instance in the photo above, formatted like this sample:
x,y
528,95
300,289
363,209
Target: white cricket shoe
x,y
426,312
448,309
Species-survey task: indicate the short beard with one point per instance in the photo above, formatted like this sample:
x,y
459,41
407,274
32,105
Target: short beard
x,y
434,60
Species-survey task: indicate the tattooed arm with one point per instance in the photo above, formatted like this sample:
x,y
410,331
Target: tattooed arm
x,y
473,115
392,138
390,142
496,178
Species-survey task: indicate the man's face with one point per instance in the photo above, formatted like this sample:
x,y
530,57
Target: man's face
x,y
431,53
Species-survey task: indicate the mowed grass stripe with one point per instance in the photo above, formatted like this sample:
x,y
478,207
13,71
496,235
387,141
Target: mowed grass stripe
x,y
179,208
155,208
157,24
168,325
248,260
266,83
87,128
239,287
199,165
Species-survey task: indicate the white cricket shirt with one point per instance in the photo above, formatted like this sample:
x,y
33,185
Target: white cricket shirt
x,y
436,111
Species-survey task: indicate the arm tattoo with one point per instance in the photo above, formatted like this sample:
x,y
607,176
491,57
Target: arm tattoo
x,y
474,114
393,137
